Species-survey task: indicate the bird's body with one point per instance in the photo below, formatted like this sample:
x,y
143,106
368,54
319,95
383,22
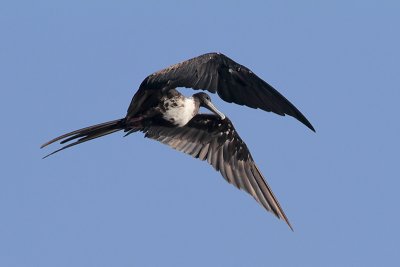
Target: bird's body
x,y
163,114
178,110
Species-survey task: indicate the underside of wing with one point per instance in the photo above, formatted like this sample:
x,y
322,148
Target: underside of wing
x,y
233,82
207,137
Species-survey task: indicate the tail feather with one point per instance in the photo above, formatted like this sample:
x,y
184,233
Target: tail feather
x,y
86,134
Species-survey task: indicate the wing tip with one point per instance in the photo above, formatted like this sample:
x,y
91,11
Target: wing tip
x,y
309,125
295,113
286,220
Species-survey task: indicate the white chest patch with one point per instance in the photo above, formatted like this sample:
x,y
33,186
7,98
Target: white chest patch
x,y
180,113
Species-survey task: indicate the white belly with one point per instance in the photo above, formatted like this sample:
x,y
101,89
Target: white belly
x,y
180,114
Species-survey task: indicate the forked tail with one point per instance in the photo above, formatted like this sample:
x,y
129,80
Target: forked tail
x,y
86,134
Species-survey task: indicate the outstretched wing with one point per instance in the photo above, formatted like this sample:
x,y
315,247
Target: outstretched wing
x,y
233,82
207,137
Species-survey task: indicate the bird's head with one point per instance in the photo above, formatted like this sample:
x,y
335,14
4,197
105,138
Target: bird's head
x,y
205,101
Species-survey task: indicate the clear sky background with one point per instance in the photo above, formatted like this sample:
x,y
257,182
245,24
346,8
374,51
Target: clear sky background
x,y
120,201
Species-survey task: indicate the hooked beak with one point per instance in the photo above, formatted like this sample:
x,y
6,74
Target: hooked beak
x,y
210,106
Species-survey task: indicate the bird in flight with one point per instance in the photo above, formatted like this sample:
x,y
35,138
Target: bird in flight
x,y
162,113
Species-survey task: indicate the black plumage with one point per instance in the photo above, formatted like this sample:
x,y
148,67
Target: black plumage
x,y
217,73
208,137
163,114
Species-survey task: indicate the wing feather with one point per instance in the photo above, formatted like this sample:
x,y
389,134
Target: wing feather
x,y
219,74
216,141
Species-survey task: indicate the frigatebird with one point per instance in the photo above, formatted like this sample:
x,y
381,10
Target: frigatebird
x,y
162,113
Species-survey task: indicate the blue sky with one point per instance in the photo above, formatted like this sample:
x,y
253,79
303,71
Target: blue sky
x,y
118,202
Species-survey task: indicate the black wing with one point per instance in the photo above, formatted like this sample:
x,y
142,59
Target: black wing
x,y
233,82
207,137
